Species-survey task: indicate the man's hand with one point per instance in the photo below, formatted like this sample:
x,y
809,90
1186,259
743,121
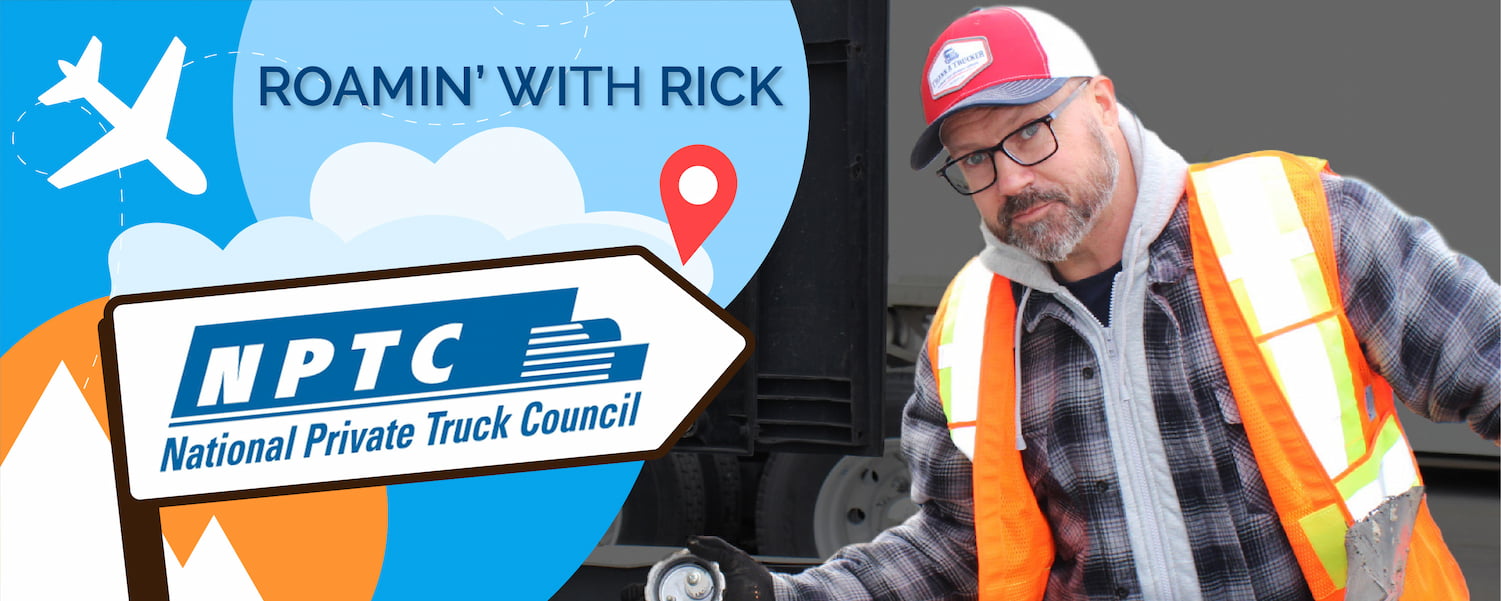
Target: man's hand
x,y
744,579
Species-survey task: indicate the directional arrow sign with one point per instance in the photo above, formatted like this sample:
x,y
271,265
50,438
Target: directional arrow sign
x,y
409,375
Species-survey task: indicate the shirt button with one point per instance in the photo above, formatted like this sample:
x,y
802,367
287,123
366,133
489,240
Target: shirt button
x,y
1088,373
1103,486
1122,592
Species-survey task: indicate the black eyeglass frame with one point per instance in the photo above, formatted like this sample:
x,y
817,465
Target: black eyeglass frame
x,y
1046,121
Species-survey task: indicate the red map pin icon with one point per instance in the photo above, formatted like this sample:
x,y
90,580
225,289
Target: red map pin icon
x,y
698,186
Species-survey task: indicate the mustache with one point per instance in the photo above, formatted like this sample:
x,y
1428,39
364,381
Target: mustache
x,y
1028,199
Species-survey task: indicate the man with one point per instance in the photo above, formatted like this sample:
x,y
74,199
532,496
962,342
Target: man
x,y
1160,381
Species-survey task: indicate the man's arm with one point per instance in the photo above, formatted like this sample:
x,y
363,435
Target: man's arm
x,y
932,555
1427,318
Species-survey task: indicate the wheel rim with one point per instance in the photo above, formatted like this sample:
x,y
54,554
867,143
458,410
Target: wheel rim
x,y
861,497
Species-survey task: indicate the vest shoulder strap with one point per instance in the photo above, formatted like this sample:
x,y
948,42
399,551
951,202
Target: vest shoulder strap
x,y
971,352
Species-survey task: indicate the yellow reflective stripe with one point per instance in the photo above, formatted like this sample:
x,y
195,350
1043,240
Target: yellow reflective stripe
x,y
1388,472
1212,220
1284,208
946,333
1366,472
1344,385
945,392
945,338
1325,529
1243,302
959,351
952,361
1311,279
1301,364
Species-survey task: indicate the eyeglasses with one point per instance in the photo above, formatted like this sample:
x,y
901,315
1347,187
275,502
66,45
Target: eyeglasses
x,y
1028,145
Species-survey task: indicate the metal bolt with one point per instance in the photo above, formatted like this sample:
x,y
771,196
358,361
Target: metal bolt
x,y
684,578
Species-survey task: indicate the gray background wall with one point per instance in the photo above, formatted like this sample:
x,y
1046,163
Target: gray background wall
x,y
1404,96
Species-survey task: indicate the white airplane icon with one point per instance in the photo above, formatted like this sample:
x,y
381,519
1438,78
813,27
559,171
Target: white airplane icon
x,y
140,131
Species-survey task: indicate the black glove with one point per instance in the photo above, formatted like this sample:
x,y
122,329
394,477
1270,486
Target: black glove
x,y
634,591
744,578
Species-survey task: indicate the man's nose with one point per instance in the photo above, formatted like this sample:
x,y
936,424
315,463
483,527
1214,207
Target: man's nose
x,y
1011,178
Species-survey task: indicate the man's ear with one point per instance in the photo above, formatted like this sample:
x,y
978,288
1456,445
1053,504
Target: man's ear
x,y
1102,93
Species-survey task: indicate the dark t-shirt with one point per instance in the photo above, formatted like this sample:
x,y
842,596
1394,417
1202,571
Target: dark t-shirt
x,y
1094,292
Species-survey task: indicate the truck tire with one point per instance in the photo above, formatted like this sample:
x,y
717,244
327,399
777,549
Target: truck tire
x,y
723,511
784,502
810,505
666,505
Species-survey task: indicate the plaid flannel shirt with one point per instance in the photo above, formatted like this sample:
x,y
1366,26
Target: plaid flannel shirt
x,y
1427,319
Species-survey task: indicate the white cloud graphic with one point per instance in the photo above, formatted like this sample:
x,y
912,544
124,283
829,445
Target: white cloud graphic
x,y
502,192
511,178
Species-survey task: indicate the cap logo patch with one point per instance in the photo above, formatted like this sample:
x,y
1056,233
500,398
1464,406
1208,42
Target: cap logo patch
x,y
957,63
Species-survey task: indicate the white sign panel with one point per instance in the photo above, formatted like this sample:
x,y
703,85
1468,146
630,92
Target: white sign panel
x,y
410,375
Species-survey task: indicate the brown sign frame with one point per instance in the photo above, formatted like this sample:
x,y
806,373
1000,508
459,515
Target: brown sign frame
x,y
140,520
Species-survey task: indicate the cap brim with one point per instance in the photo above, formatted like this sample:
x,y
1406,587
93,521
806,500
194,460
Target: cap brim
x,y
1011,93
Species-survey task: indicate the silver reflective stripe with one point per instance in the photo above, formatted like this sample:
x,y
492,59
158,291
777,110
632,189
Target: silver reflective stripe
x,y
959,359
1305,372
964,438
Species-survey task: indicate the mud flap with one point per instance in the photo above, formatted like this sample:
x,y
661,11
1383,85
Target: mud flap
x,y
1376,547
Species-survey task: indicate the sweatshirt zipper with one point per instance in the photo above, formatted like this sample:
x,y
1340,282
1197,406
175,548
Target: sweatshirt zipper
x,y
1135,491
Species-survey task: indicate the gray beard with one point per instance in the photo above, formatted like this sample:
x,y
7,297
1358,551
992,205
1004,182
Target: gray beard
x,y
1053,239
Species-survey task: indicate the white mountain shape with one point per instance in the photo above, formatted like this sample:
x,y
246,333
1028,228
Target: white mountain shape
x,y
213,572
59,521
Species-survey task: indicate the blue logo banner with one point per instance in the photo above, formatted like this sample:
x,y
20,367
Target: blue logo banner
x,y
403,354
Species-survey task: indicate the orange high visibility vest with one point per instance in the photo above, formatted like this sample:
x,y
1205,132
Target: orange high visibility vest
x,y
1322,425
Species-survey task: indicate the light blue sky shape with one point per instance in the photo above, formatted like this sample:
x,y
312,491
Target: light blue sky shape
x,y
54,243
618,152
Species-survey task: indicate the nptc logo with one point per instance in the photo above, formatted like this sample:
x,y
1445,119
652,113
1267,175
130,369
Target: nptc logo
x,y
403,354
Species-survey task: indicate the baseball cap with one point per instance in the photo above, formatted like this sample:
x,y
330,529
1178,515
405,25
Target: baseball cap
x,y
1003,55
